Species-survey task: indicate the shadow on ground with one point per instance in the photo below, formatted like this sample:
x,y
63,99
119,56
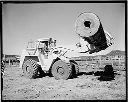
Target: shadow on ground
x,y
103,76
107,75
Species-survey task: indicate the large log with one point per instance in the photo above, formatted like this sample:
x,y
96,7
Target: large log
x,y
89,27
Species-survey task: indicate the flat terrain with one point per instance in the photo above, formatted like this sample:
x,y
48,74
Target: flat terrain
x,y
84,87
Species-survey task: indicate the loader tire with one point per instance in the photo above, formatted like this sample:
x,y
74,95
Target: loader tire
x,y
30,68
61,70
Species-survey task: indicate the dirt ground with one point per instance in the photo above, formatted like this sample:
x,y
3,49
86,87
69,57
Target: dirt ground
x,y
84,87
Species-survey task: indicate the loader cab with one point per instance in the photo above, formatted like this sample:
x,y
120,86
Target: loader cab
x,y
45,45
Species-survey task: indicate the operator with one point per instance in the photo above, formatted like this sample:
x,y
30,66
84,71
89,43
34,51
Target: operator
x,y
42,47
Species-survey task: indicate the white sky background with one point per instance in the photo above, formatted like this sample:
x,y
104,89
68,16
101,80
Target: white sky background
x,y
22,22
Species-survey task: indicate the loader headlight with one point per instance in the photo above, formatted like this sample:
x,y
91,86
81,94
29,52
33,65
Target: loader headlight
x,y
56,51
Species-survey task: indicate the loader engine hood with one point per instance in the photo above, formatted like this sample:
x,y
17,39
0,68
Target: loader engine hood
x,y
62,51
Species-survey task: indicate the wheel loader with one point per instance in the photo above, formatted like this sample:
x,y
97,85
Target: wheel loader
x,y
44,56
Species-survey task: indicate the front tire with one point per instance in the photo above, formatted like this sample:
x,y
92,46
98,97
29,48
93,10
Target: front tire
x,y
30,68
61,70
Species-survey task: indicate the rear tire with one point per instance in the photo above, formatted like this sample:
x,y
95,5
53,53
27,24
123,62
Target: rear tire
x,y
61,70
30,68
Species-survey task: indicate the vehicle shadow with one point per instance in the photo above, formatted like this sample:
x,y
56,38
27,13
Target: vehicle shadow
x,y
107,75
103,76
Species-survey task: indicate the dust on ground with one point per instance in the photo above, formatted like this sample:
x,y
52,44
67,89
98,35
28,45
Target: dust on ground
x,y
84,87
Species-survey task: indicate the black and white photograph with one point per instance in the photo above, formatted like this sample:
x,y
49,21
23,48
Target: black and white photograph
x,y
63,51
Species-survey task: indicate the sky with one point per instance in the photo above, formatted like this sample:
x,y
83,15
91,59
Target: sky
x,y
24,22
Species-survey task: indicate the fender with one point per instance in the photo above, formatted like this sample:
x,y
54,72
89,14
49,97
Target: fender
x,y
65,59
22,57
25,56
